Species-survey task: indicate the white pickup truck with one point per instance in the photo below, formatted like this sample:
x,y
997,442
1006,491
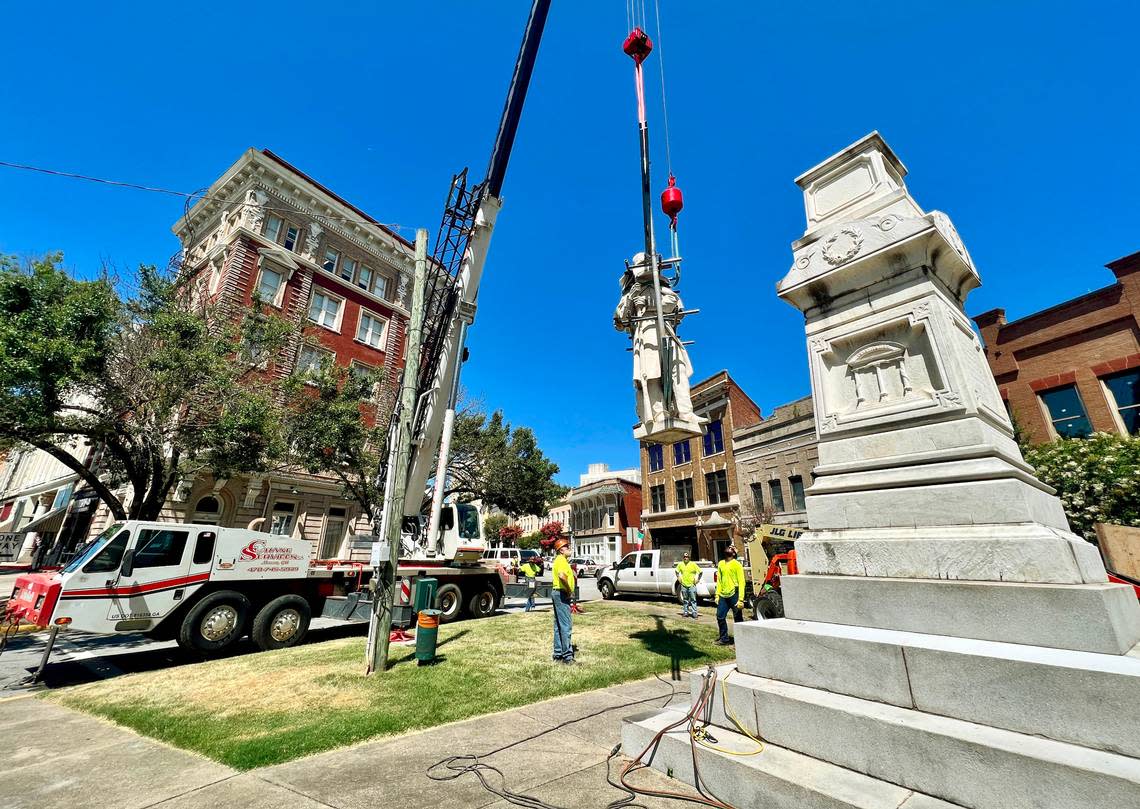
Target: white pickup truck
x,y
652,572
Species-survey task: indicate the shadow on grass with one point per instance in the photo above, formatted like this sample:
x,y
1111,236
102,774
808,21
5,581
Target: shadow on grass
x,y
411,658
671,643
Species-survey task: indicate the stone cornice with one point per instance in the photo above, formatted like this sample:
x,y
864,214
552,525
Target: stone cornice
x,y
254,170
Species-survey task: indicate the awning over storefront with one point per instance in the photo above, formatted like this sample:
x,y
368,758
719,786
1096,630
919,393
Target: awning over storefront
x,y
47,523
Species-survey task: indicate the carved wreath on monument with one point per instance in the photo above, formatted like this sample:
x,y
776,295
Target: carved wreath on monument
x,y
842,246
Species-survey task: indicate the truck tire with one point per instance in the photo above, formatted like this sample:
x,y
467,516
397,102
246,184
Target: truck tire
x,y
483,602
768,605
450,600
606,588
214,623
281,623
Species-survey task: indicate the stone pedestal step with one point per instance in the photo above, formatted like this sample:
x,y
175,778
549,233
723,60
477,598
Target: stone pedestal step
x,y
1101,618
963,762
1092,700
774,779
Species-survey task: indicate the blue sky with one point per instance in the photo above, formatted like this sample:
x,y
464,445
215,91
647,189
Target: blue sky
x,y
1018,119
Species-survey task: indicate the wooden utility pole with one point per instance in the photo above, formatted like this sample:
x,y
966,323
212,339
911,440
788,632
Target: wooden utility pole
x,y
384,573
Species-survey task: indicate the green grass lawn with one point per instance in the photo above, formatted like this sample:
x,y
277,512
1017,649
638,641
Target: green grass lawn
x,y
260,709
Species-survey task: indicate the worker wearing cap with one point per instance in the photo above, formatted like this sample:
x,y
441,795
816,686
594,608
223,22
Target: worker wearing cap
x,y
729,593
563,596
530,571
688,574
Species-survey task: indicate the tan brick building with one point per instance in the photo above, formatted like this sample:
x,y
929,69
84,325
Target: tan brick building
x,y
774,463
1073,368
683,484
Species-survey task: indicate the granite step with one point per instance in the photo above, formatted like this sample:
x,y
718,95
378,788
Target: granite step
x,y
963,762
1088,699
776,778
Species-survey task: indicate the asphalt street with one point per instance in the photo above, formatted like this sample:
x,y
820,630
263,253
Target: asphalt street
x,y
79,658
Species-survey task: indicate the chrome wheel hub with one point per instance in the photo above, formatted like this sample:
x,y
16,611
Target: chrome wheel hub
x,y
219,622
285,625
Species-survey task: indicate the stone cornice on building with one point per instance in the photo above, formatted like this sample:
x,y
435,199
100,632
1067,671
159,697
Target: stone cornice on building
x,y
264,171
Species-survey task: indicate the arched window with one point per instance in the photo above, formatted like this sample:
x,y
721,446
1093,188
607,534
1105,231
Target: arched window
x,y
208,510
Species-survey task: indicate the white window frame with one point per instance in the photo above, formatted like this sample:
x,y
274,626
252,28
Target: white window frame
x,y
336,261
328,354
275,237
358,364
383,330
361,269
296,239
350,264
379,280
295,514
1110,399
324,293
279,294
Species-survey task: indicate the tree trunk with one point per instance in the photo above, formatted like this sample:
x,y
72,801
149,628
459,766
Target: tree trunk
x,y
89,477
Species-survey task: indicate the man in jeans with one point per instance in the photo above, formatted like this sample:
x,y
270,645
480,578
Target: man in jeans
x,y
563,596
688,574
530,571
729,593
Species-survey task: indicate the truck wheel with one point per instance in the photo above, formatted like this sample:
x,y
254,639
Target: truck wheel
x,y
769,605
606,588
450,600
281,623
215,622
482,603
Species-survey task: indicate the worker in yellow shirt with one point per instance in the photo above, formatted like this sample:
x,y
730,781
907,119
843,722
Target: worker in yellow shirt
x,y
530,571
563,596
729,593
688,574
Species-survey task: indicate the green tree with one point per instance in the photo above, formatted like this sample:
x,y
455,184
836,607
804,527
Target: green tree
x,y
493,525
156,379
530,541
1097,478
329,426
500,466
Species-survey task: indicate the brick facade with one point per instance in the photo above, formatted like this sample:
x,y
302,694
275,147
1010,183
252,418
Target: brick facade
x,y
1080,343
778,454
229,249
718,399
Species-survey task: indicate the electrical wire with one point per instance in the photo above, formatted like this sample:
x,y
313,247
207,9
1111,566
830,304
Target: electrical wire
x,y
661,71
457,766
190,197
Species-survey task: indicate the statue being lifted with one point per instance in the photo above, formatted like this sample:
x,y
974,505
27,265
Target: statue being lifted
x,y
661,369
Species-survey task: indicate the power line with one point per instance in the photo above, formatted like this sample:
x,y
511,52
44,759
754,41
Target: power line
x,y
189,196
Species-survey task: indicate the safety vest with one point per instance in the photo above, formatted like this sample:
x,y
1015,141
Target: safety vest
x,y
730,578
688,571
562,565
529,569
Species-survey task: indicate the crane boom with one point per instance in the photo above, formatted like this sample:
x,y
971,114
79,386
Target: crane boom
x,y
456,271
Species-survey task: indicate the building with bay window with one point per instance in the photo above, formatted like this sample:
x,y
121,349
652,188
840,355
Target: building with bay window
x,y
1074,368
605,512
690,494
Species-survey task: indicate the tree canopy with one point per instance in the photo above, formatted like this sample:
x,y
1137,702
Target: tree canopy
x,y
155,379
500,466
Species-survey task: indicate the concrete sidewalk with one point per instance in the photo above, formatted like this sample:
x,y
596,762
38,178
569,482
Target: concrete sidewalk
x,y
58,757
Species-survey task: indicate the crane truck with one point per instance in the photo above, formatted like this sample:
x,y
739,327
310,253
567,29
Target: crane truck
x,y
207,586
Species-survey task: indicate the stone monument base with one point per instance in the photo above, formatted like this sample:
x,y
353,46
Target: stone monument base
x,y
668,429
863,717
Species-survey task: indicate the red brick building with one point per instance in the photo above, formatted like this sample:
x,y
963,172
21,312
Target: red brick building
x,y
683,484
605,513
265,227
1073,368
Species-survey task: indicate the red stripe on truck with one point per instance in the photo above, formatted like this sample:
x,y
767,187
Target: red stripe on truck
x,y
136,589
